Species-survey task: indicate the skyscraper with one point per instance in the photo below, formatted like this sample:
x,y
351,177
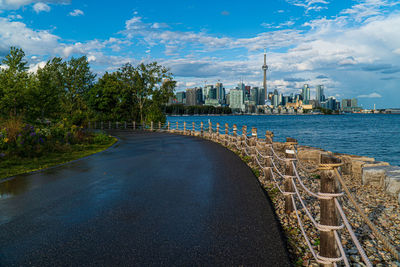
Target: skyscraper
x,y
220,93
305,93
320,97
265,68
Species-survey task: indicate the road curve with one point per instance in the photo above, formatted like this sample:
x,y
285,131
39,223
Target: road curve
x,y
153,199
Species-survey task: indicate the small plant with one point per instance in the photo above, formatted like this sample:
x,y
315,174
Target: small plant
x,y
101,138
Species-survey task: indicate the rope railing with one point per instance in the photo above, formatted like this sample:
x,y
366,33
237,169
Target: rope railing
x,y
288,174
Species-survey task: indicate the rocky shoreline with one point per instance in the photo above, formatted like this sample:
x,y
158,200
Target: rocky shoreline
x,y
372,184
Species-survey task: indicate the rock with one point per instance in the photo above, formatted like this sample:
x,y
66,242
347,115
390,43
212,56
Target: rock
x,y
392,181
374,175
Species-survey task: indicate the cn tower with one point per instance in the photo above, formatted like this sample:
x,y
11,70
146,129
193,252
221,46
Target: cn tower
x,y
265,68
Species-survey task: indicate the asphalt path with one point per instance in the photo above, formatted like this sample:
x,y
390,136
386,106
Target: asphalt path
x,y
153,199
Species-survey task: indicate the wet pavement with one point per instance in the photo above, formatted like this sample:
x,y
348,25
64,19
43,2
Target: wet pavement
x,y
153,199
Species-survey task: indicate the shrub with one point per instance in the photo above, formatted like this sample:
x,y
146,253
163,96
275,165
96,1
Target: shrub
x,y
101,138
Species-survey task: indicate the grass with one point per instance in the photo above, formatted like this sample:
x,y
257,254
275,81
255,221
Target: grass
x,y
16,165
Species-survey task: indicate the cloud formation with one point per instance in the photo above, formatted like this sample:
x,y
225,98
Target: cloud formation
x,y
39,7
371,95
76,13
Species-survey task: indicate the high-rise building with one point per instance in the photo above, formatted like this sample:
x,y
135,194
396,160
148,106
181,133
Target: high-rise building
x,y
319,96
236,99
261,96
265,68
350,105
194,96
305,93
220,93
254,95
207,91
181,97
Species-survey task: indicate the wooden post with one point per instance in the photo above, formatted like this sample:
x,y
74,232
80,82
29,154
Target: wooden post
x,y
289,171
217,131
134,125
201,129
109,124
125,124
177,126
184,127
268,164
151,126
210,129
226,134
168,127
244,135
329,213
194,128
234,130
159,125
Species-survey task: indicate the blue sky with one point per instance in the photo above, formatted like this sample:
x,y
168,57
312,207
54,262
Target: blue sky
x,y
352,47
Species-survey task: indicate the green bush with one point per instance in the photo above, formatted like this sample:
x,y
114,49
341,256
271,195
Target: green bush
x,y
101,138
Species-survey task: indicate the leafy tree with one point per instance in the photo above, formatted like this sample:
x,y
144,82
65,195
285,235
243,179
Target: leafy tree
x,y
14,81
146,85
47,91
105,98
78,80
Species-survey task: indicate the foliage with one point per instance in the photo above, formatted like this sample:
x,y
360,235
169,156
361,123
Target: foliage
x,y
68,90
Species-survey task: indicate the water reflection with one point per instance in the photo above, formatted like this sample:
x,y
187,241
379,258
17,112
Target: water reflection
x,y
13,186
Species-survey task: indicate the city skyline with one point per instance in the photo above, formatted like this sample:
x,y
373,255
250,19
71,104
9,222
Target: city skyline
x,y
352,47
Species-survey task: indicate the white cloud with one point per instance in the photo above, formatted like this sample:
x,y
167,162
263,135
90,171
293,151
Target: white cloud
x,y
371,95
15,33
76,13
16,4
308,5
33,68
39,7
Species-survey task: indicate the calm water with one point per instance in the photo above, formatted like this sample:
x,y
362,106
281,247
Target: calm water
x,y
373,135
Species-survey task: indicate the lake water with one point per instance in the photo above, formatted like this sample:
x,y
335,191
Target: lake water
x,y
372,135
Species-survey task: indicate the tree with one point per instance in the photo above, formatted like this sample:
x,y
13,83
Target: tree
x,y
14,81
105,99
78,80
47,91
147,87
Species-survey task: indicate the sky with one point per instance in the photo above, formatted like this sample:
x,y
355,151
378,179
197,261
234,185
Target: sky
x,y
352,47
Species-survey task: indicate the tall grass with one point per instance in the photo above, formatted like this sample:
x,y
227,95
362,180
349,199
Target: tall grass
x,y
14,126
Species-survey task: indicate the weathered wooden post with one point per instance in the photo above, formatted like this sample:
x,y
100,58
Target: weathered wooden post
x,y
184,127
151,126
201,129
125,125
109,124
329,214
134,125
159,125
168,126
234,133
244,136
226,134
289,173
234,130
210,129
217,132
194,128
177,126
268,164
